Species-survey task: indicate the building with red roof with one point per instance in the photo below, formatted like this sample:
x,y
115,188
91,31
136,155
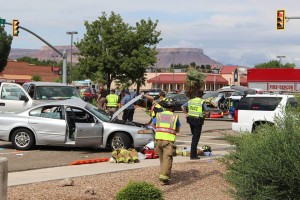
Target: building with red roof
x,y
228,75
21,72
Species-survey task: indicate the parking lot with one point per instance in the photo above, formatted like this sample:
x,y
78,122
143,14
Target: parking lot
x,y
45,156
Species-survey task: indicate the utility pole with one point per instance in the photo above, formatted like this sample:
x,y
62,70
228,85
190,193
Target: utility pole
x,y
155,73
173,83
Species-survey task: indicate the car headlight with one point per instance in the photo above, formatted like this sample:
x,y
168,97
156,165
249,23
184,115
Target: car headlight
x,y
146,131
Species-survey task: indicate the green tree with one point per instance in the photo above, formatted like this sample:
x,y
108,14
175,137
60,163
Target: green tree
x,y
194,81
5,46
111,49
275,64
139,51
193,64
36,78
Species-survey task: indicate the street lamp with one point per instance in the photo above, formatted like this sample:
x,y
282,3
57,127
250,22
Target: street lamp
x,y
173,70
71,33
155,73
280,57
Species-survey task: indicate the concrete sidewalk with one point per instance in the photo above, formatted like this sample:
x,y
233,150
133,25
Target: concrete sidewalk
x,y
57,173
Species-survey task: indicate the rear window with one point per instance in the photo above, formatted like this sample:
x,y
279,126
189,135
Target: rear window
x,y
87,90
259,103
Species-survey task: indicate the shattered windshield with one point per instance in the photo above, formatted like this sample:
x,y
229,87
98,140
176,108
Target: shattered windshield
x,y
103,116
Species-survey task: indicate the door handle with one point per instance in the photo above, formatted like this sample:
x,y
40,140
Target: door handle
x,y
33,123
80,130
2,104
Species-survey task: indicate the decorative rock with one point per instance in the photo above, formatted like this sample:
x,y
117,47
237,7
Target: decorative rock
x,y
90,190
66,182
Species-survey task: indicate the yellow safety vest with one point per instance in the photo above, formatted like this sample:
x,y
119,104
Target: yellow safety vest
x,y
195,107
112,100
166,126
82,92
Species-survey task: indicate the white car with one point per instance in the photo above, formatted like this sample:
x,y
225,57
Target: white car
x,y
15,98
254,110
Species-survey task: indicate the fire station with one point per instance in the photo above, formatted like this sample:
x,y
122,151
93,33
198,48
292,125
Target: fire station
x,y
274,79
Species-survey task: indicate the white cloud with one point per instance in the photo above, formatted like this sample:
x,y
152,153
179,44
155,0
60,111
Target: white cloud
x,y
239,32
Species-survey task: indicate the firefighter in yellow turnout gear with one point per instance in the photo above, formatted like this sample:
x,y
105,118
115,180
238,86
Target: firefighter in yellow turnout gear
x,y
166,124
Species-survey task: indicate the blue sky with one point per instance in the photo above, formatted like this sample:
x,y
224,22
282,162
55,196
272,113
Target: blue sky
x,y
239,32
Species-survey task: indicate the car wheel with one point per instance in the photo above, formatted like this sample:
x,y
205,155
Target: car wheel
x,y
22,139
119,141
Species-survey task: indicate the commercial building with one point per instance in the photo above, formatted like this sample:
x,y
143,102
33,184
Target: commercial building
x,y
21,72
275,79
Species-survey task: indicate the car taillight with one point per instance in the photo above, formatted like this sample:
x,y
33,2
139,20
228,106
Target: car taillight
x,y
88,94
235,118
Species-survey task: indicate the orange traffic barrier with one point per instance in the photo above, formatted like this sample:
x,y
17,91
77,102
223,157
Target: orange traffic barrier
x,y
215,116
89,161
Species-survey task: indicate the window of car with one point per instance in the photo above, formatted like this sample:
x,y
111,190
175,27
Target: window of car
x,y
52,112
81,116
55,92
11,92
103,116
87,89
259,103
210,94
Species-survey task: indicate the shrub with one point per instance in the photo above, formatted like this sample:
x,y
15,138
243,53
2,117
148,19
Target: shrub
x,y
266,164
139,190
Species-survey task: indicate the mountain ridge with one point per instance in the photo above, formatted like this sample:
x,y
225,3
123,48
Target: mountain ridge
x,y
165,57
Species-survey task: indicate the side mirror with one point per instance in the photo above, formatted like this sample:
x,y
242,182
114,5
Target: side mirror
x,y
24,98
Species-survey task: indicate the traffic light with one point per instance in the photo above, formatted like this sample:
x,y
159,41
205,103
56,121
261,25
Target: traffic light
x,y
15,27
280,19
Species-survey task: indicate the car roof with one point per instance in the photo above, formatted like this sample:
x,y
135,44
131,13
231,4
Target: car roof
x,y
269,95
48,84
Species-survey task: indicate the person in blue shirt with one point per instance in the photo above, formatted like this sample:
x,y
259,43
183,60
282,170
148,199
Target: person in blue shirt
x,y
128,112
195,110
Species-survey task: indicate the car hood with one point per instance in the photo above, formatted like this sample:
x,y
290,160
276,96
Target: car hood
x,y
125,106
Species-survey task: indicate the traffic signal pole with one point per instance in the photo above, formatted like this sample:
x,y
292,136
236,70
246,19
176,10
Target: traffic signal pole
x,y
64,54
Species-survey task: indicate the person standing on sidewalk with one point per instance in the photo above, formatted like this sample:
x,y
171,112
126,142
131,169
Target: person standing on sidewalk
x,y
166,125
112,102
101,97
194,110
128,112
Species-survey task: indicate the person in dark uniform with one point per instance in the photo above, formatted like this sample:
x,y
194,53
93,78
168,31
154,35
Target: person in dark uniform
x,y
128,112
194,110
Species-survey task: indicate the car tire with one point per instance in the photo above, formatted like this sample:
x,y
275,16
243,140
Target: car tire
x,y
23,139
120,140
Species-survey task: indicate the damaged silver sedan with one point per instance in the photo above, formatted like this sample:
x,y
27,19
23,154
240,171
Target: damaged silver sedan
x,y
71,122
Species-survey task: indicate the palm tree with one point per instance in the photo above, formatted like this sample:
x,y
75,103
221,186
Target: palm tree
x,y
194,81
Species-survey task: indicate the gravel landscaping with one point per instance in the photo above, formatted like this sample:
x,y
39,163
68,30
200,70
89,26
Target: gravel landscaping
x,y
193,180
